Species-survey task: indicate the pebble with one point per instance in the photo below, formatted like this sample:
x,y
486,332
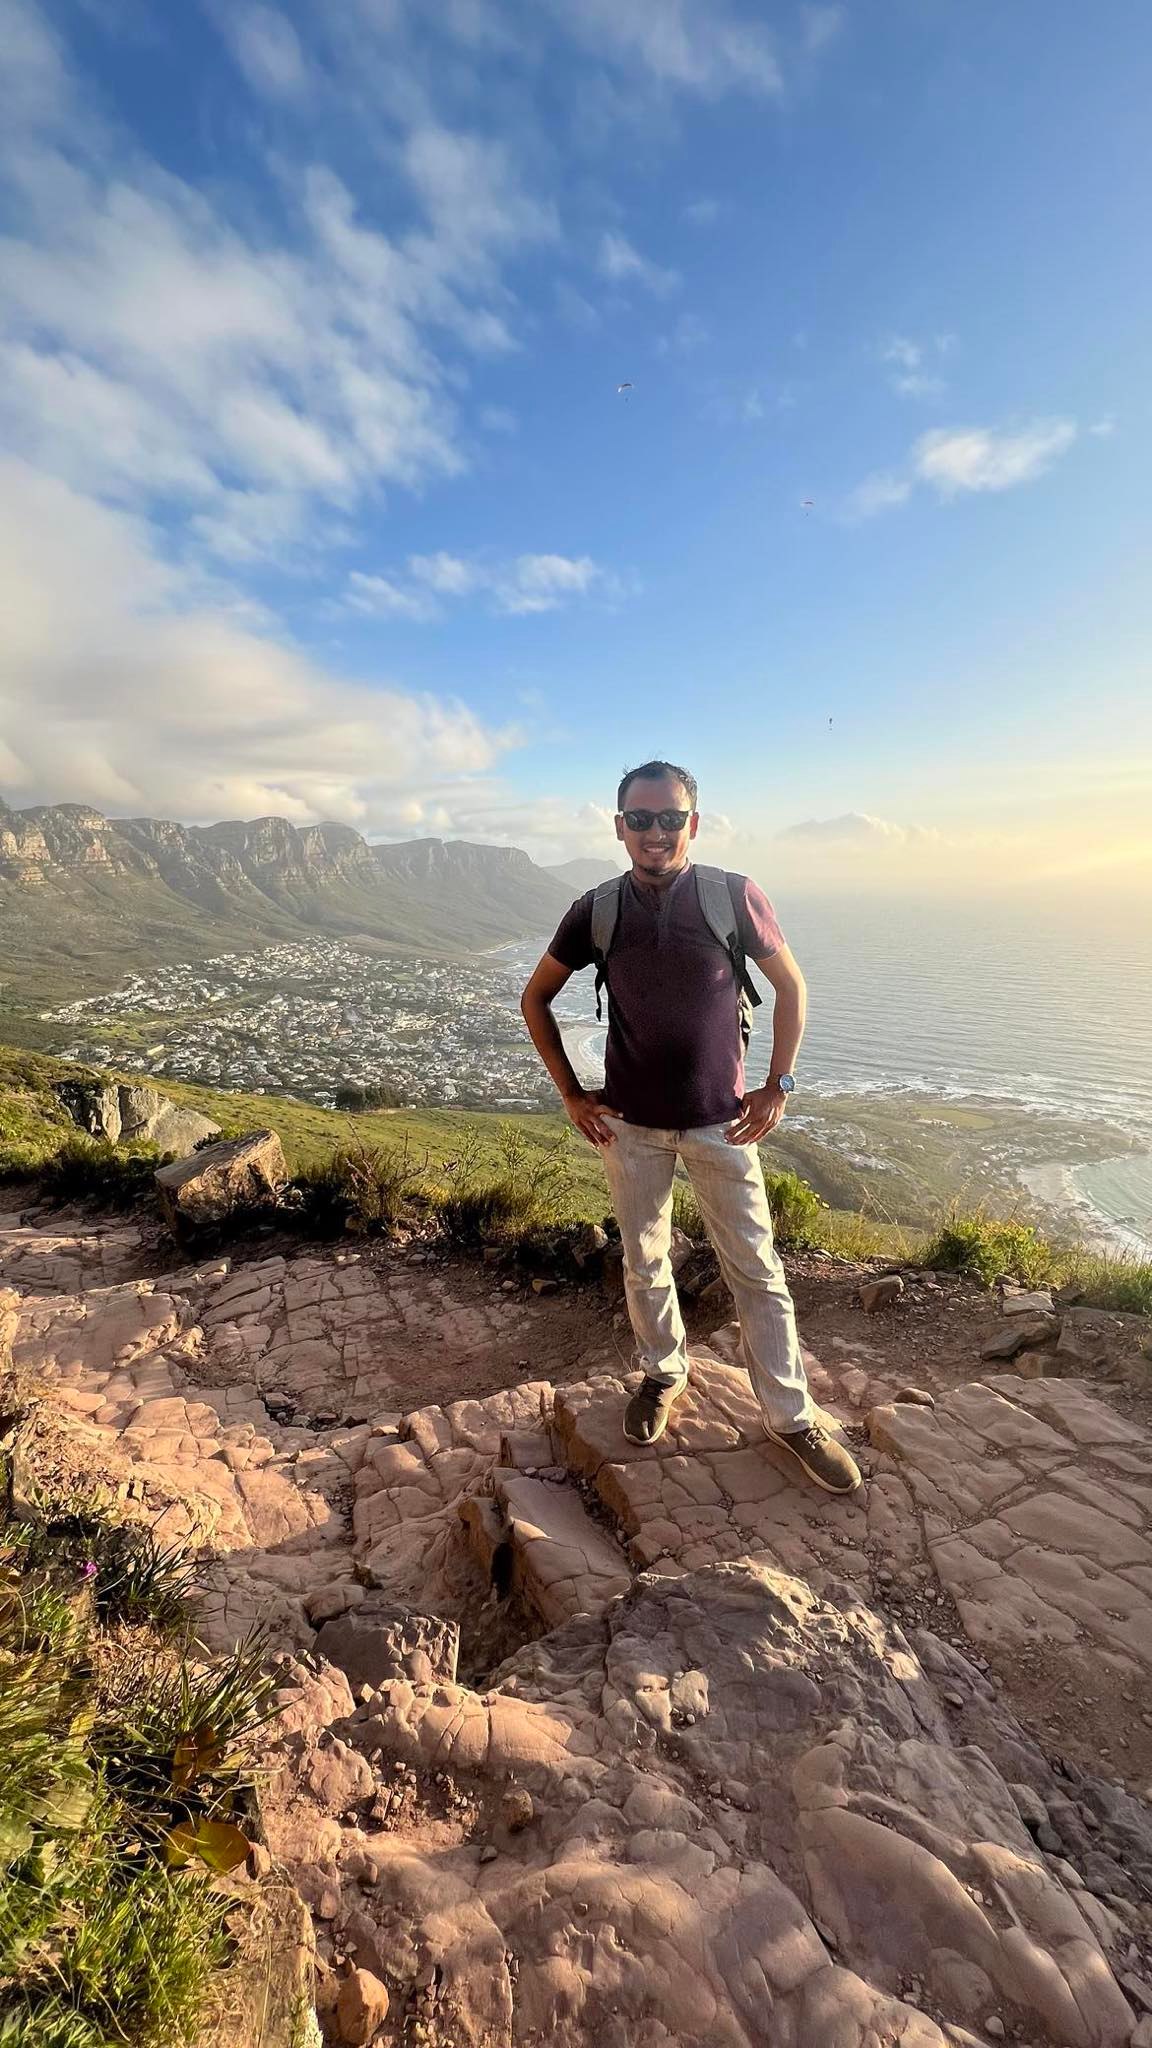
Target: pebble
x,y
955,1699
995,2028
488,1854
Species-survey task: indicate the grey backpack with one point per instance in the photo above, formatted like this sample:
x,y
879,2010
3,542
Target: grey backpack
x,y
719,913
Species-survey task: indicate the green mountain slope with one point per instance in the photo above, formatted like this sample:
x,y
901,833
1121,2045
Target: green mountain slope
x,y
85,899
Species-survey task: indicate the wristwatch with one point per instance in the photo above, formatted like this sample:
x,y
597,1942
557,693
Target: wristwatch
x,y
785,1083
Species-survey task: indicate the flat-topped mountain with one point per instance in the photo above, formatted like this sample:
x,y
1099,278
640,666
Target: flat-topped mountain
x,y
582,873
84,898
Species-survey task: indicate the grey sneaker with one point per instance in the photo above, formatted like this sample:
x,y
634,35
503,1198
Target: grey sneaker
x,y
825,1462
646,1416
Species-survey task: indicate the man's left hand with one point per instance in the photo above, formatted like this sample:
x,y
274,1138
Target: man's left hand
x,y
760,1112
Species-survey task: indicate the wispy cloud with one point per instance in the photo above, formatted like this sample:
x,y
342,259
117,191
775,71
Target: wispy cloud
x,y
157,350
688,334
522,586
702,45
911,375
701,213
821,24
955,461
619,261
266,47
859,828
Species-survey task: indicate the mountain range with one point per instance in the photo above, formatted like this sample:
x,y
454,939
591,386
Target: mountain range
x,y
85,899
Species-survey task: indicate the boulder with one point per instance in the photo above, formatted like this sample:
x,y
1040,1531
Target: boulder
x,y
236,1177
587,1244
361,2008
379,1640
1020,1333
123,1112
882,1293
1018,1301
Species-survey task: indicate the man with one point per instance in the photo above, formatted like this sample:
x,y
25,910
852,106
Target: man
x,y
675,1090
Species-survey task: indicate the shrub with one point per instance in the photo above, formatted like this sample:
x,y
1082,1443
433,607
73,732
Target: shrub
x,y
125,1771
373,1095
93,1169
129,1577
985,1246
519,1199
797,1211
362,1188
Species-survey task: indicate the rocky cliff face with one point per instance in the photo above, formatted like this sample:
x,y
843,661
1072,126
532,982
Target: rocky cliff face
x,y
279,879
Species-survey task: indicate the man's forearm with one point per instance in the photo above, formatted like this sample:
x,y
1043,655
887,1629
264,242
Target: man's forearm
x,y
544,1032
787,1029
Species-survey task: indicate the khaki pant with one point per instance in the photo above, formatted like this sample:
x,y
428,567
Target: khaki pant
x,y
729,1186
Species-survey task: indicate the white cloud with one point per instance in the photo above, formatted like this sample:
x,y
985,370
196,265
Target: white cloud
x,y
153,349
539,583
1104,428
955,459
382,598
701,213
877,493
446,574
125,686
266,47
858,828
526,584
623,264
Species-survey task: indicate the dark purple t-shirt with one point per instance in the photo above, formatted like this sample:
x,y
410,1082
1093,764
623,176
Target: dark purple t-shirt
x,y
675,1056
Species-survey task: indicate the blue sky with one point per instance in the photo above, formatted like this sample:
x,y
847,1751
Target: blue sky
x,y
320,497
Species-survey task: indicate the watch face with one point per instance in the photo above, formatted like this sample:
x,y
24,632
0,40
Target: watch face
x,y
786,1084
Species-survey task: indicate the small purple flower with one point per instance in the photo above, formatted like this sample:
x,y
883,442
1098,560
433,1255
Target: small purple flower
x,y
89,1570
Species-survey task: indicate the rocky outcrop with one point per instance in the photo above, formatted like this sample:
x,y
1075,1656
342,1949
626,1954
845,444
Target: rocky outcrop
x,y
268,875
237,1178
123,1111
748,1819
760,1766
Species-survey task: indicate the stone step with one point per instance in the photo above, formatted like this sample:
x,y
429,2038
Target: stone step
x,y
557,1557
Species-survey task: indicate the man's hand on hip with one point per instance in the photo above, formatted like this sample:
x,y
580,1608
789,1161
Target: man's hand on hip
x,y
760,1112
589,1112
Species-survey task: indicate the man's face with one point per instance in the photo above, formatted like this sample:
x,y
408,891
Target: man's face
x,y
657,850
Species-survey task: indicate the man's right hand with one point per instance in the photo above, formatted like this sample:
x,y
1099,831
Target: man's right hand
x,y
590,1113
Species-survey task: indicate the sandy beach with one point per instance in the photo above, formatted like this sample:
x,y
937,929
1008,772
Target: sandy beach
x,y
1055,1187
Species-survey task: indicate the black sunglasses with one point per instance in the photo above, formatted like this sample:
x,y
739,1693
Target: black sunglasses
x,y
668,821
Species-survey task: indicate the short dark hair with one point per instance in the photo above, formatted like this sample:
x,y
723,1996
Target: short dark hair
x,y
651,771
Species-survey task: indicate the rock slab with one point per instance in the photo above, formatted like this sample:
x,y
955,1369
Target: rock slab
x,y
237,1176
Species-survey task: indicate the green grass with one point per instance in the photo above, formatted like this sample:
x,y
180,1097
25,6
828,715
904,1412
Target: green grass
x,y
373,1167
124,1782
986,1247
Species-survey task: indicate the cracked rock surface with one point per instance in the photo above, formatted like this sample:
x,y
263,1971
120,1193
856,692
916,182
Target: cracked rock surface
x,y
645,1747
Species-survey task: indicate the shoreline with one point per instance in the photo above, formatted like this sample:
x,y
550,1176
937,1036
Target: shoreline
x,y
1053,1186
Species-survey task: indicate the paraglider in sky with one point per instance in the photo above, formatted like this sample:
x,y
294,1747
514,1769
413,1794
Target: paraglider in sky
x,y
807,504
624,391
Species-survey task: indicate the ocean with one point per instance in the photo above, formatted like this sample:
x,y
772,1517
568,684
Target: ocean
x,y
1039,1006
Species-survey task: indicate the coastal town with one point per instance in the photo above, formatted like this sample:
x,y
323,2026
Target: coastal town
x,y
311,1019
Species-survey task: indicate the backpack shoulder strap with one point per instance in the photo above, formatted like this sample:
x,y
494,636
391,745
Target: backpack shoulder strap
x,y
716,903
605,917
719,913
